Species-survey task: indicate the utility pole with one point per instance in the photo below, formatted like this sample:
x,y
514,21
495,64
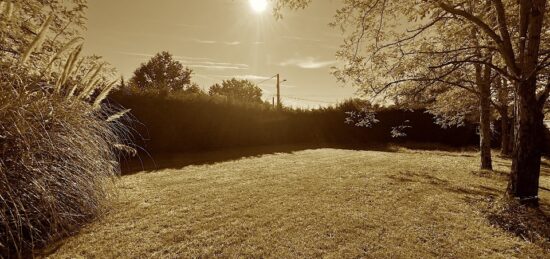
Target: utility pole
x,y
279,105
273,101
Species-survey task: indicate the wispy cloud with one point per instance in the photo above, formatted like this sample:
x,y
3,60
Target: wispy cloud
x,y
204,41
212,65
135,54
197,62
147,55
216,65
228,43
307,63
251,77
247,77
232,43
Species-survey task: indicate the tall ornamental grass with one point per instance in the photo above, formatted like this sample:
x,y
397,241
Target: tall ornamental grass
x,y
59,142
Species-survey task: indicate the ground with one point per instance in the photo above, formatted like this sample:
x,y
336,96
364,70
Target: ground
x,y
335,203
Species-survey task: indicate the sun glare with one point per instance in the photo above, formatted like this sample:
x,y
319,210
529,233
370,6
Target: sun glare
x,y
258,6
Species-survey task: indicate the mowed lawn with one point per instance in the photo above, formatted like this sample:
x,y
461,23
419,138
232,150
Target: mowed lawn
x,y
332,203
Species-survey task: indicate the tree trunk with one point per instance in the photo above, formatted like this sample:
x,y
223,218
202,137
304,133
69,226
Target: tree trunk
x,y
485,126
511,137
524,178
483,81
526,160
506,125
505,147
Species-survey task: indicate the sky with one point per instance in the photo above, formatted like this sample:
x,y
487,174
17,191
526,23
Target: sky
x,y
222,39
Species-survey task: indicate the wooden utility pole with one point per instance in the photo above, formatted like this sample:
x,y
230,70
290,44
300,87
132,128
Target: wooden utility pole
x,y
279,105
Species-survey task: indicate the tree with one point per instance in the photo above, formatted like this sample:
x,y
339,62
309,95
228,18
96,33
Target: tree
x,y
385,38
162,72
238,90
194,88
524,64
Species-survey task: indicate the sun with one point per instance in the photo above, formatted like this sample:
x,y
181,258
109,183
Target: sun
x,y
259,6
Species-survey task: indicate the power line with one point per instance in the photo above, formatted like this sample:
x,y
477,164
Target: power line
x,y
309,100
266,80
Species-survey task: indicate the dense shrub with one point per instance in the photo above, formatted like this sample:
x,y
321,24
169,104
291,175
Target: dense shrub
x,y
57,163
184,122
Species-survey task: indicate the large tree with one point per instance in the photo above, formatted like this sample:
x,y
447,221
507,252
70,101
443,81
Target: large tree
x,y
238,90
384,38
162,72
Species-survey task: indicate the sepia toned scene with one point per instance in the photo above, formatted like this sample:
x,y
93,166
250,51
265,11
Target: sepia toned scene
x,y
274,129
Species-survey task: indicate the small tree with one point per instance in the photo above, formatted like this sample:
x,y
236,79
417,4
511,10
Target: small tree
x,y
162,72
238,90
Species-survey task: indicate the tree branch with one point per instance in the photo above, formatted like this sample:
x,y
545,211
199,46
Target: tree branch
x,y
507,56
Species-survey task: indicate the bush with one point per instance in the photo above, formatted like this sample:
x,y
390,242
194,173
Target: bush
x,y
181,122
57,140
57,163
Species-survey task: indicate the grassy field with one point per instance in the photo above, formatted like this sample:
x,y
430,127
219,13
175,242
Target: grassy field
x,y
333,203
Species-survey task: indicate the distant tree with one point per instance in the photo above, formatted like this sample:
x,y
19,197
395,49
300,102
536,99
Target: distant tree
x,y
238,90
194,88
162,72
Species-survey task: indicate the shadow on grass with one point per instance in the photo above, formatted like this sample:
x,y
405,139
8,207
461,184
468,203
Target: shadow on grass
x,y
180,160
529,224
476,190
545,167
459,151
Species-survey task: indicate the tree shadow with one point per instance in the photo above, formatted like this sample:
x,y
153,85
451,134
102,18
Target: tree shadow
x,y
495,174
531,224
153,162
527,223
465,151
545,167
446,185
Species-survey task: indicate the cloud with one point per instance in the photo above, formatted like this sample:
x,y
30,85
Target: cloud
x,y
307,63
197,62
204,41
135,54
215,65
228,43
147,55
252,77
232,43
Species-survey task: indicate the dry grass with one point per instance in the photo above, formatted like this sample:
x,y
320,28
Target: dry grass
x,y
314,203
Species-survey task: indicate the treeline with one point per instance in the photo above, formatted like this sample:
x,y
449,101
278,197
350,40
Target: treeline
x,y
183,122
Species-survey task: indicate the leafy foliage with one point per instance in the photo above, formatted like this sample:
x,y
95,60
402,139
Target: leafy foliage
x,y
164,73
183,122
238,90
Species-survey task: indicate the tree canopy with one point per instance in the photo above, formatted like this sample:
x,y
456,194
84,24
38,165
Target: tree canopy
x,y
238,90
162,72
